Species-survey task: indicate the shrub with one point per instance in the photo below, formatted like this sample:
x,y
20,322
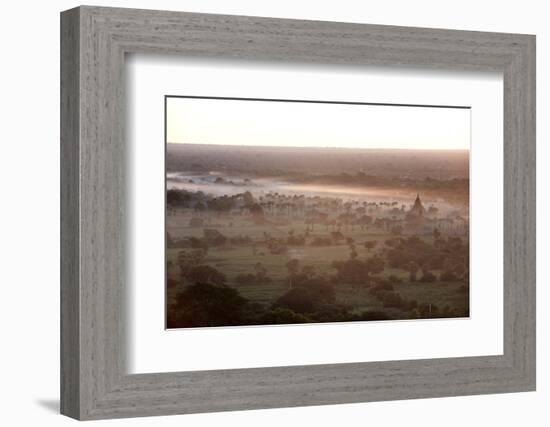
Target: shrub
x,y
392,299
351,271
383,286
240,240
448,276
196,222
463,289
428,277
436,262
410,250
321,241
370,244
307,296
205,304
282,315
276,248
354,271
296,240
198,243
374,315
298,300
415,314
245,278
206,274
396,230
332,313
213,237
428,310
392,243
394,279
377,292
177,198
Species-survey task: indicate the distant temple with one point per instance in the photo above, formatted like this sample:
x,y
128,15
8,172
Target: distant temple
x,y
417,220
417,211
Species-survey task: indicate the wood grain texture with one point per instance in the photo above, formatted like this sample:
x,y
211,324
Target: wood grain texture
x,y
70,221
94,272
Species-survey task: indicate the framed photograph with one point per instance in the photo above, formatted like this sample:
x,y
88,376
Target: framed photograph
x,y
262,213
266,224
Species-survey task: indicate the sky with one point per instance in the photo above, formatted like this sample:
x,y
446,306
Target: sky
x,y
295,124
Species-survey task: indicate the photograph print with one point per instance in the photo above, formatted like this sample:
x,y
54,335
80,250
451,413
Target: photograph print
x,y
310,211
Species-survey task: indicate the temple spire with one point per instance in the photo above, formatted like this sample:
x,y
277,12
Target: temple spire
x,y
417,209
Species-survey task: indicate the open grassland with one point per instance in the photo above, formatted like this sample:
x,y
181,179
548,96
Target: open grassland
x,y
279,236
235,260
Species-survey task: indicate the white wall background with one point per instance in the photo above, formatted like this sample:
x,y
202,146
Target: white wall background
x,y
29,212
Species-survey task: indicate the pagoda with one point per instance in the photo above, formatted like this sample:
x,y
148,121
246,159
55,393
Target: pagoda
x,y
417,211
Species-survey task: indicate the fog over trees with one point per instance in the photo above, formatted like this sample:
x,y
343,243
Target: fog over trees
x,y
266,235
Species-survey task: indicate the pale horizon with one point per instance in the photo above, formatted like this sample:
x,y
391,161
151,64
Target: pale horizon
x,y
320,147
258,123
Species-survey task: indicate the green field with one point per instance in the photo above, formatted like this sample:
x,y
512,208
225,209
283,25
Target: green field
x,y
235,260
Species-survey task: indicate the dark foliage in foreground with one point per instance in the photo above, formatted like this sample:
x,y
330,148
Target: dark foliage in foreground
x,y
205,304
355,271
308,296
203,299
280,315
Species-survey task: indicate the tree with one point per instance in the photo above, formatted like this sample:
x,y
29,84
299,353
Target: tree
x,y
392,243
261,271
196,222
336,236
374,315
200,207
392,299
374,265
198,243
257,212
177,198
412,268
189,259
281,315
320,289
206,274
245,278
447,276
427,277
221,204
432,210
292,267
308,271
364,221
213,237
308,296
370,244
351,271
357,272
298,300
205,304
248,198
396,230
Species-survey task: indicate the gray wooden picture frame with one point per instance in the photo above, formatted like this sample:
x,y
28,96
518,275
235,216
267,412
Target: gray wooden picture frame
x,y
94,382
